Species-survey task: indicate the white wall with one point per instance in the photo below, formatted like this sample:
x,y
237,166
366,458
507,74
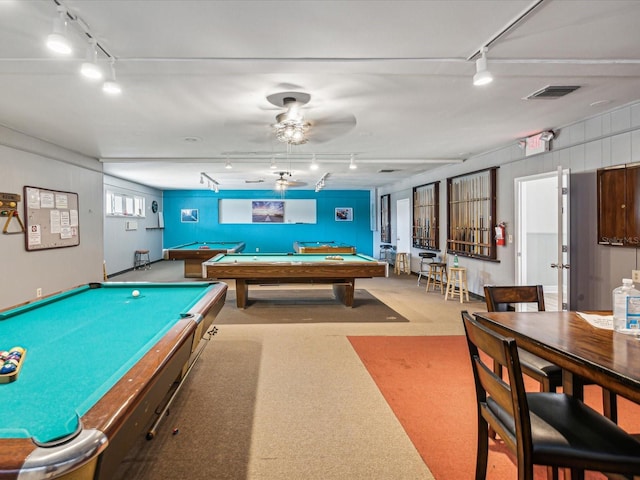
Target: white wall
x,y
26,161
609,139
120,244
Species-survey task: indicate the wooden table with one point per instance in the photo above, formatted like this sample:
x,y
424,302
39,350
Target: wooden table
x,y
607,358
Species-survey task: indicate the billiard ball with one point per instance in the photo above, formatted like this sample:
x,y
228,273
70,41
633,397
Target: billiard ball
x,y
8,368
135,293
20,350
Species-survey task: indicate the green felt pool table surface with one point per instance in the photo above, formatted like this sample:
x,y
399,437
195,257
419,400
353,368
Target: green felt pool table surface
x,y
80,343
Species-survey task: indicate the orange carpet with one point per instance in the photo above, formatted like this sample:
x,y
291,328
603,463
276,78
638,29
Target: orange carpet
x,y
428,383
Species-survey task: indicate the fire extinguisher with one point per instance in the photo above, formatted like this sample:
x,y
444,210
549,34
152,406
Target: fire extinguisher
x,y
501,234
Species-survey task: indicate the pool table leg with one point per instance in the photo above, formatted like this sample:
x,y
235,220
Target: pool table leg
x,y
242,293
345,291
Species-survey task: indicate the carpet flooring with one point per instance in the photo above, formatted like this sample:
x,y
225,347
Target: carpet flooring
x,y
428,383
268,306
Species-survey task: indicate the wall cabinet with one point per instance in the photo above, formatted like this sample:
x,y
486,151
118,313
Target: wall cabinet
x,y
619,206
471,213
426,218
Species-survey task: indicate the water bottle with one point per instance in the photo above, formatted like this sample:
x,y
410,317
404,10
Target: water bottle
x,y
455,261
626,308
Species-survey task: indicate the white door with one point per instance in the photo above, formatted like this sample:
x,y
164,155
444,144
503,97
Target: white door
x,y
403,226
542,235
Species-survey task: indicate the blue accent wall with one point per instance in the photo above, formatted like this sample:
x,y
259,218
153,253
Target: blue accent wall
x,y
268,237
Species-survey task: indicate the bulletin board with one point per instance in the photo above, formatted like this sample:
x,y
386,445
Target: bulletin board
x,y
51,219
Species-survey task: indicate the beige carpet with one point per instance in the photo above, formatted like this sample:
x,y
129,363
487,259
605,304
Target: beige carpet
x,y
304,306
291,401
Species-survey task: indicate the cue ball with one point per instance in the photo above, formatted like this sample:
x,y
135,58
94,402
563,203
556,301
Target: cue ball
x,y
135,293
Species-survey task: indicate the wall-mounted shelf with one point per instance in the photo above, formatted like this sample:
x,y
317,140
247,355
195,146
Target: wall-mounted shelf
x,y
471,212
426,216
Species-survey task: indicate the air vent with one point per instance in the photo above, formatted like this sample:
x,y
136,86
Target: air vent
x,y
552,91
387,170
254,181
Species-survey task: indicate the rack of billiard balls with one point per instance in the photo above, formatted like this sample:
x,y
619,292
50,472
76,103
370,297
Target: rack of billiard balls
x,y
11,362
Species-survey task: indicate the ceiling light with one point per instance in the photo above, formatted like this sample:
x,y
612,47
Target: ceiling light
x,y
90,67
352,163
314,164
273,165
111,86
228,165
201,179
57,40
290,127
482,76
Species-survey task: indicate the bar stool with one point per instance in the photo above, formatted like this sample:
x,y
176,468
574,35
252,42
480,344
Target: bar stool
x,y
437,276
457,284
402,263
141,259
424,256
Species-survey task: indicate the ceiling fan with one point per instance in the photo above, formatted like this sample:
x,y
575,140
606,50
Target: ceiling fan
x,y
283,183
293,127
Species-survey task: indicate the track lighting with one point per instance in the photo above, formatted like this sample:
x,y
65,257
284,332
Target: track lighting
x,y
482,76
352,163
110,86
314,164
211,183
273,165
90,67
228,165
57,40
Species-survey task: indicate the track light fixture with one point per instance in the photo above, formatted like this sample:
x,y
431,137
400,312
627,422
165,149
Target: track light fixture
x,y
211,183
110,86
228,165
273,165
90,68
57,40
314,165
352,163
482,76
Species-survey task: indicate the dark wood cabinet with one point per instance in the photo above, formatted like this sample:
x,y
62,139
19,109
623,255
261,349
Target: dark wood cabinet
x,y
619,206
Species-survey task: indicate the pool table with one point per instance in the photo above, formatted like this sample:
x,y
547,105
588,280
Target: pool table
x,y
195,253
99,361
276,268
323,247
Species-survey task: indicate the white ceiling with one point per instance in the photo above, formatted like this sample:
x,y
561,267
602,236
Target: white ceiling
x,y
203,69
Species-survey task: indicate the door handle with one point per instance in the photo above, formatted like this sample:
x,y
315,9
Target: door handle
x,y
561,266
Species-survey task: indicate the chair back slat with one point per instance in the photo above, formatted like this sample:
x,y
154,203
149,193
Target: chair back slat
x,y
502,298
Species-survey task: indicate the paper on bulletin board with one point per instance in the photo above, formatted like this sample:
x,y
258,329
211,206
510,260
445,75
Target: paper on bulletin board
x,y
35,235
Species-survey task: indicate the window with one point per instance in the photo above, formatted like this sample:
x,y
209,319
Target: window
x,y
122,205
385,218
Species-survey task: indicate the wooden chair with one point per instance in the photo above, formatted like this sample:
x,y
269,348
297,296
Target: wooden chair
x,y
540,428
549,375
504,298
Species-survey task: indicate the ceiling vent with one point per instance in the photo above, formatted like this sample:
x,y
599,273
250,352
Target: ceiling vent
x,y
387,170
254,181
552,91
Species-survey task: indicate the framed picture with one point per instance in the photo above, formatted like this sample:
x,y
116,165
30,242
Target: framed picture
x,y
344,214
189,215
267,211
